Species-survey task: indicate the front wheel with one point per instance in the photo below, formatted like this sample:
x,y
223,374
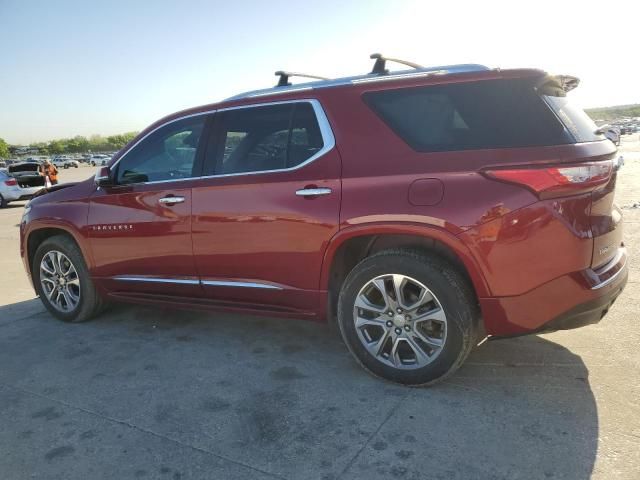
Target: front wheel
x,y
62,281
407,318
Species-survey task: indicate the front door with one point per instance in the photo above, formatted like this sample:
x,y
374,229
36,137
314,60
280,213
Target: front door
x,y
140,228
263,217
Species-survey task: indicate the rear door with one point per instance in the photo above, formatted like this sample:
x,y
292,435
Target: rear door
x,y
265,214
140,228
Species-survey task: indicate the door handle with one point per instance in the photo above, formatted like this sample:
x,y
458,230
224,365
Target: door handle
x,y
169,201
313,192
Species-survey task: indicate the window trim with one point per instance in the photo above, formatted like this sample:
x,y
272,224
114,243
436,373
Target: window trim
x,y
326,132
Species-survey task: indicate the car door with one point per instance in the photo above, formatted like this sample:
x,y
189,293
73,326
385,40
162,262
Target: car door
x,y
265,212
140,227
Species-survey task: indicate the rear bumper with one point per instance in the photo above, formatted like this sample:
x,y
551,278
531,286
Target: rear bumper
x,y
18,193
571,301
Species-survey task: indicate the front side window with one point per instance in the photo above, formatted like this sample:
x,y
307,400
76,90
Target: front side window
x,y
266,138
167,154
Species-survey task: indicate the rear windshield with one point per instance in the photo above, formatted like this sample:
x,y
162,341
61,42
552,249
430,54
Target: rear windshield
x,y
465,116
577,122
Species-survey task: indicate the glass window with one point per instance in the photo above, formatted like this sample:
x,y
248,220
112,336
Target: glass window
x,y
265,138
464,116
575,119
168,153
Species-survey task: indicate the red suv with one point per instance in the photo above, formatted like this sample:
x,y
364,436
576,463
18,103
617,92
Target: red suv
x,y
422,209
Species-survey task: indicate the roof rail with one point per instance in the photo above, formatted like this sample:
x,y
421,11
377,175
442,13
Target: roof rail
x,y
284,77
379,67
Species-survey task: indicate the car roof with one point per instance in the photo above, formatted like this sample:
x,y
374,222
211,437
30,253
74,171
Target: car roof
x,y
369,77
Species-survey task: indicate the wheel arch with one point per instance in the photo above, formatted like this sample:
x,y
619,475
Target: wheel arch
x,y
36,236
353,244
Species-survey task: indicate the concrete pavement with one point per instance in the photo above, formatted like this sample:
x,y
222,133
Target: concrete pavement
x,y
153,393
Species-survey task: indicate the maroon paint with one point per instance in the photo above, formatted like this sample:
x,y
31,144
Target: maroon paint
x,y
528,260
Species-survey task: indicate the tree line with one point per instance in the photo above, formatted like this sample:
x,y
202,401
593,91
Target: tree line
x,y
614,113
77,144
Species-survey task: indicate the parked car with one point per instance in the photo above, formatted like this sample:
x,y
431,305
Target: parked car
x,y
60,162
421,210
19,182
99,160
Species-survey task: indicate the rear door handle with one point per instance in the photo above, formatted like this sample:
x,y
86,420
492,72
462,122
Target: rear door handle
x,y
313,192
170,200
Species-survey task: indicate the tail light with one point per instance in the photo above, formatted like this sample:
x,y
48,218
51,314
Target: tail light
x,y
12,182
558,181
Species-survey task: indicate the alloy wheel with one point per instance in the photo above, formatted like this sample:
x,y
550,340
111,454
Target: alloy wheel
x,y
60,281
400,321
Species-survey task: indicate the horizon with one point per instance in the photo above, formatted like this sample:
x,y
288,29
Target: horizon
x,y
108,69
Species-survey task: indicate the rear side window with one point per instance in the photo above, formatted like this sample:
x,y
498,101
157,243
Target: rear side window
x,y
575,119
265,138
465,116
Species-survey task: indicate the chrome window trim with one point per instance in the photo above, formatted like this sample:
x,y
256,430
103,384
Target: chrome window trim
x,y
227,283
188,281
326,132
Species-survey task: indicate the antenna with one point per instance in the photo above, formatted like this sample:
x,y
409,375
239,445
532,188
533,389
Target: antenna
x,y
379,68
284,77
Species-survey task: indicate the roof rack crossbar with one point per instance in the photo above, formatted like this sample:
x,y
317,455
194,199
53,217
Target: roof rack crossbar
x,y
379,68
284,77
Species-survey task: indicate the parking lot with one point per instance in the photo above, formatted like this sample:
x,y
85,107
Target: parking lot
x,y
153,393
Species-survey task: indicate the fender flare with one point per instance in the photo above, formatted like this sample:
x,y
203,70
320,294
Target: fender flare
x,y
451,241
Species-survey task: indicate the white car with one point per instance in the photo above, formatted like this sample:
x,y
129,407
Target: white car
x,y
19,182
60,162
99,160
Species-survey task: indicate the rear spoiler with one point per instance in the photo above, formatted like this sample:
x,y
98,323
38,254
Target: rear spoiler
x,y
557,85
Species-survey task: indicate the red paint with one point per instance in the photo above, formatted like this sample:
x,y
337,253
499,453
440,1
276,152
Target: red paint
x,y
528,259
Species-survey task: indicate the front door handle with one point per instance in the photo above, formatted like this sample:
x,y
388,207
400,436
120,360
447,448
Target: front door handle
x,y
313,192
170,200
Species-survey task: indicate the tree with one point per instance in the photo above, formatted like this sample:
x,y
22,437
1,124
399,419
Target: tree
x,y
56,146
4,149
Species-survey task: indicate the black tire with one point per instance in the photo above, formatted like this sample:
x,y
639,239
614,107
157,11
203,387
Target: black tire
x,y
3,202
90,303
453,293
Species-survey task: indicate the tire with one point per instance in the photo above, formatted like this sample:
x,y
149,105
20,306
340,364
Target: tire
x,y
450,308
3,202
89,303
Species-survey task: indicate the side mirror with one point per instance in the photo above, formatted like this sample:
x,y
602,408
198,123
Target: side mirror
x,y
103,177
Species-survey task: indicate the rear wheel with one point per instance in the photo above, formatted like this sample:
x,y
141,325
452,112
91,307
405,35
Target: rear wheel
x,y
62,281
3,202
407,318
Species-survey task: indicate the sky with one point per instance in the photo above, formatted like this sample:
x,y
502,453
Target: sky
x,y
86,67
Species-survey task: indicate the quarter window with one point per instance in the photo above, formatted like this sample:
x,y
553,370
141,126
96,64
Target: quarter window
x,y
167,154
474,115
265,138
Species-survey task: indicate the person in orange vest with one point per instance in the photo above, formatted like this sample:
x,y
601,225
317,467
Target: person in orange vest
x,y
49,170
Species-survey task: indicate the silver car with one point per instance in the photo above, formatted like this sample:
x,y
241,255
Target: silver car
x,y
19,182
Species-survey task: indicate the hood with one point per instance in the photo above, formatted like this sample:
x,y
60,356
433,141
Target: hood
x,y
55,188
